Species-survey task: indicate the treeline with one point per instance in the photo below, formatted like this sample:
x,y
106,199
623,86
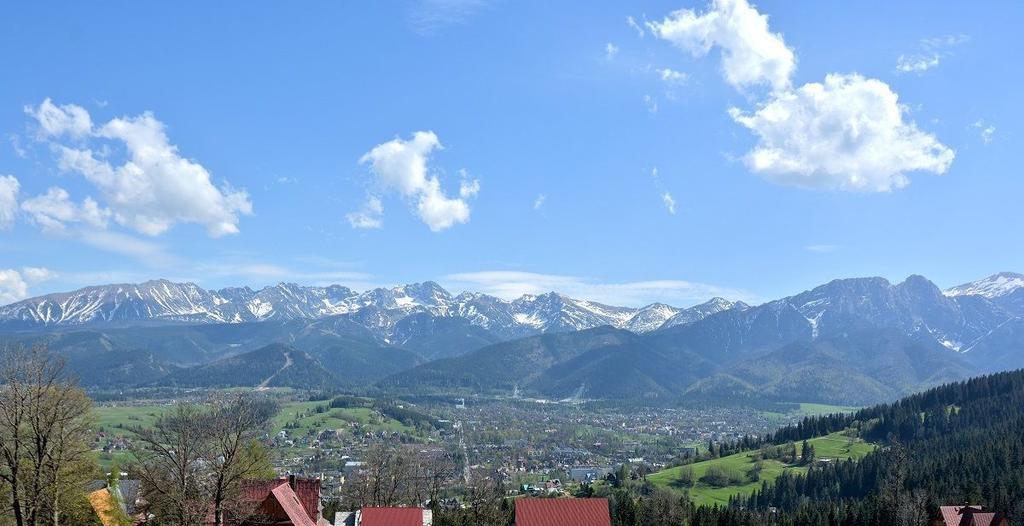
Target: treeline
x,y
388,408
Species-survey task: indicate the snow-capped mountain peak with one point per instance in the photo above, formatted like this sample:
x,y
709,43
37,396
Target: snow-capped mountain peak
x,y
994,286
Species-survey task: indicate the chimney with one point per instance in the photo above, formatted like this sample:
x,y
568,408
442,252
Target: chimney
x,y
291,481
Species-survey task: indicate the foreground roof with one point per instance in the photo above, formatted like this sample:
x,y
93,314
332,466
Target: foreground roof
x,y
391,517
562,512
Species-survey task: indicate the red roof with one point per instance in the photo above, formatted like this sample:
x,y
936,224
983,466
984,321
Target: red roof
x,y
300,505
391,517
562,512
952,515
291,506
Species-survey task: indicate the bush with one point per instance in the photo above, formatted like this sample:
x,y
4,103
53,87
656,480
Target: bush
x,y
686,476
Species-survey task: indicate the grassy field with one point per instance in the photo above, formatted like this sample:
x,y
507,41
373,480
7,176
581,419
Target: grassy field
x,y
302,417
834,446
112,419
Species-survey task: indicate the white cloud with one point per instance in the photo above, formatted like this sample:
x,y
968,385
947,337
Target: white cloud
x,y
631,22
671,76
751,53
155,187
14,285
53,210
610,51
916,63
846,134
55,120
8,200
987,132
669,202
468,188
821,249
402,166
511,284
538,203
369,217
933,50
35,275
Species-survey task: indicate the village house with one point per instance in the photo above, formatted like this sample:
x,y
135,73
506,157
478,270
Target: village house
x,y
970,516
115,501
370,516
562,512
286,501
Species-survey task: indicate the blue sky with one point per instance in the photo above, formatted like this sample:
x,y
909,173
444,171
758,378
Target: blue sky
x,y
701,149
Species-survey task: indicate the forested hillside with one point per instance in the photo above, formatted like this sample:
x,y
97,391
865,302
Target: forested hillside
x,y
961,442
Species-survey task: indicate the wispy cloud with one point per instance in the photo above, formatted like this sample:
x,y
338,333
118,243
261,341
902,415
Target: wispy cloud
x,y
148,252
513,284
669,202
427,17
985,130
538,203
610,51
631,22
932,51
821,249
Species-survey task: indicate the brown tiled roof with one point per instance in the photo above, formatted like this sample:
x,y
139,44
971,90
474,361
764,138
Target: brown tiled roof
x,y
304,499
562,512
391,517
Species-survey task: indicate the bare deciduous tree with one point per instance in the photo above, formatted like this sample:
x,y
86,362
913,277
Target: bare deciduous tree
x,y
233,454
45,421
193,459
170,455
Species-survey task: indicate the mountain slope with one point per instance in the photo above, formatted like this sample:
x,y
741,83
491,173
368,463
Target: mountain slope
x,y
503,366
855,369
275,365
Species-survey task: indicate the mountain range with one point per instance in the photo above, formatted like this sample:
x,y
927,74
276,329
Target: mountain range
x,y
379,310
856,340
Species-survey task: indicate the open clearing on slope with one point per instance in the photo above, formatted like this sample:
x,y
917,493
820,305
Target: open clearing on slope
x,y
834,446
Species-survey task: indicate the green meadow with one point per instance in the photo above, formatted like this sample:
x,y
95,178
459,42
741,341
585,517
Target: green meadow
x,y
835,446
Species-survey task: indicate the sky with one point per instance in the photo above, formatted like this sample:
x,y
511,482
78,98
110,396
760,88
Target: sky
x,y
625,152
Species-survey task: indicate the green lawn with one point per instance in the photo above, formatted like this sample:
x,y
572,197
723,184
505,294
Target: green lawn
x,y
834,446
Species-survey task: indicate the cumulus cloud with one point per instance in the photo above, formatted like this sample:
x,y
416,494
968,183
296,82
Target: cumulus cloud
x,y
57,120
155,187
847,133
14,285
53,210
512,284
751,54
8,200
401,166
369,217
